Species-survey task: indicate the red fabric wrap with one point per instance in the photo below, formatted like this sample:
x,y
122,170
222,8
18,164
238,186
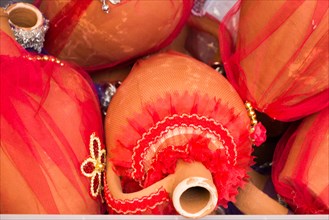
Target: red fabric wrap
x,y
48,112
81,32
301,165
276,55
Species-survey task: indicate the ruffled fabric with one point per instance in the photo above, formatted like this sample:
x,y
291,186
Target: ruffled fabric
x,y
276,55
48,112
227,178
300,165
131,29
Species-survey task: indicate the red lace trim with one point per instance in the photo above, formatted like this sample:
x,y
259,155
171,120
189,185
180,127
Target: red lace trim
x,y
137,205
227,177
182,115
194,124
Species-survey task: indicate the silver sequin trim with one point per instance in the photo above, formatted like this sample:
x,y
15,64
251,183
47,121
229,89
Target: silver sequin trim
x,y
31,38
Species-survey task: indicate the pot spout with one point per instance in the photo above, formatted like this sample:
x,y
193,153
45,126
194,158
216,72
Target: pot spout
x,y
195,194
191,189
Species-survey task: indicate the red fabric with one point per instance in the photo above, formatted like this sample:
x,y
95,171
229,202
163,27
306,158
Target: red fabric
x,y
72,11
227,177
191,120
76,15
276,55
301,165
48,113
259,134
173,107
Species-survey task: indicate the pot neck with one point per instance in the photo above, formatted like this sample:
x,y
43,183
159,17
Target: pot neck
x,y
191,189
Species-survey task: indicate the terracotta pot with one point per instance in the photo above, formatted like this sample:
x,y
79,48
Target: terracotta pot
x,y
24,15
81,32
301,165
28,25
48,115
276,56
191,188
177,137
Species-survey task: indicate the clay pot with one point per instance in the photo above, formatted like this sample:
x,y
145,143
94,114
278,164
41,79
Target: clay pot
x,y
28,24
24,15
177,137
276,56
81,32
301,165
49,112
191,188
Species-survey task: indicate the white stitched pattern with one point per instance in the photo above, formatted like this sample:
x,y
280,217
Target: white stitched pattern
x,y
183,129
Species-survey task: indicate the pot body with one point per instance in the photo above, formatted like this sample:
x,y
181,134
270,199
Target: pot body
x,y
81,32
277,56
48,113
300,165
171,108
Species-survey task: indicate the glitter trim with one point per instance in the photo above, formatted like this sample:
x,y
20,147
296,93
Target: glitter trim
x,y
106,7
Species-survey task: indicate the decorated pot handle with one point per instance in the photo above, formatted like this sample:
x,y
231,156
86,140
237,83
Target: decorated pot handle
x,y
191,189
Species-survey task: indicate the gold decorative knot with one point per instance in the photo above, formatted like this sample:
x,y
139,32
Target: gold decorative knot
x,y
94,166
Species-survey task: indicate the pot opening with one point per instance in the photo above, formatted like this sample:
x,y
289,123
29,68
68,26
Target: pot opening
x,y
194,199
23,17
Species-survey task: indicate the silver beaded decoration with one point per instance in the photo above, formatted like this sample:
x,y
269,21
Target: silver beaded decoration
x,y
31,38
109,92
198,8
106,7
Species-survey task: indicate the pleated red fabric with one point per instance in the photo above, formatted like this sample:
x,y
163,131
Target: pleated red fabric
x,y
48,113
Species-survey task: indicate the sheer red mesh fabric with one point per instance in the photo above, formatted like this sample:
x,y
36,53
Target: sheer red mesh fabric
x,y
301,165
173,107
81,32
276,55
48,112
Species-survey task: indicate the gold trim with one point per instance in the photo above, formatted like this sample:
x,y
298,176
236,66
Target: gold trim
x,y
252,116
